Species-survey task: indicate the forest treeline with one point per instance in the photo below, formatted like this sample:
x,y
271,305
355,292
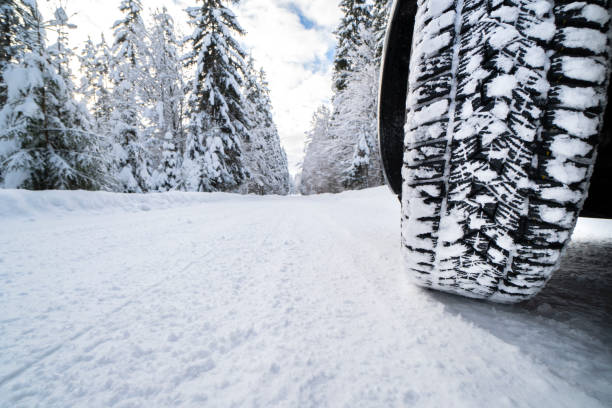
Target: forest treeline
x,y
341,150
151,111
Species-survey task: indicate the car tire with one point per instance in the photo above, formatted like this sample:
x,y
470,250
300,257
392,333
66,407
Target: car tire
x,y
505,102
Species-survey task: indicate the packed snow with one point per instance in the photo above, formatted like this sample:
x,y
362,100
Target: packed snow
x,y
181,299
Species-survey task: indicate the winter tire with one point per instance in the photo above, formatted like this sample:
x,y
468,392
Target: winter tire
x,y
504,107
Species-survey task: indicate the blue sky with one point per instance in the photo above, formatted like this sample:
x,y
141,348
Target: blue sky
x,y
306,22
320,63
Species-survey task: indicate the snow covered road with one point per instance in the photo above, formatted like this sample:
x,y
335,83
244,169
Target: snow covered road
x,y
220,300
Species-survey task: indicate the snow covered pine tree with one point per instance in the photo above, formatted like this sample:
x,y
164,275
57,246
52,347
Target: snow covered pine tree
x,y
504,108
350,137
276,165
95,83
46,140
263,155
133,165
380,15
318,162
11,27
356,112
164,96
9,41
217,121
356,14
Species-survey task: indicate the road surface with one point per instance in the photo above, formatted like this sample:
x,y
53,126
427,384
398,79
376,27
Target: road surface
x,y
221,300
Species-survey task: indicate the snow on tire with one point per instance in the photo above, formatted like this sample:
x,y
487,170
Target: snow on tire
x,y
505,103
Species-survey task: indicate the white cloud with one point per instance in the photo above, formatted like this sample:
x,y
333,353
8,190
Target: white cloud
x,y
293,56
295,60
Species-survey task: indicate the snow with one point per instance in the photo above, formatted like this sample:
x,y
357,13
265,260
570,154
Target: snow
x,y
558,216
20,79
194,299
576,123
502,36
561,195
593,40
596,13
540,7
502,85
584,69
566,146
578,98
544,31
507,14
565,172
428,114
439,23
16,177
536,57
430,46
436,8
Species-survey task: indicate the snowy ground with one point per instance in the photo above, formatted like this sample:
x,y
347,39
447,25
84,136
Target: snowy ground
x,y
219,300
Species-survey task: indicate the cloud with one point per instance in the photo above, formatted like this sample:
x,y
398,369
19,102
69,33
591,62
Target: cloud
x,y
294,43
305,21
291,39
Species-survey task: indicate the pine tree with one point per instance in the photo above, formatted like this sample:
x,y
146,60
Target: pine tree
x,y
276,156
47,140
95,83
168,175
380,14
17,25
217,119
9,26
95,91
356,13
356,114
347,142
254,143
133,161
264,157
89,71
164,92
352,129
319,167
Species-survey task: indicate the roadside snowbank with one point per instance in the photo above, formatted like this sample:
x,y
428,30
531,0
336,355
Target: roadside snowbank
x,y
592,229
23,203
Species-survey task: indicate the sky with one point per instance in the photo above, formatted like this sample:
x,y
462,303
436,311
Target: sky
x,y
291,39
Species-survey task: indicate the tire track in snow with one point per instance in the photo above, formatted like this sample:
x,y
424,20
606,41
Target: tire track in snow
x,y
239,228
80,333
16,373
